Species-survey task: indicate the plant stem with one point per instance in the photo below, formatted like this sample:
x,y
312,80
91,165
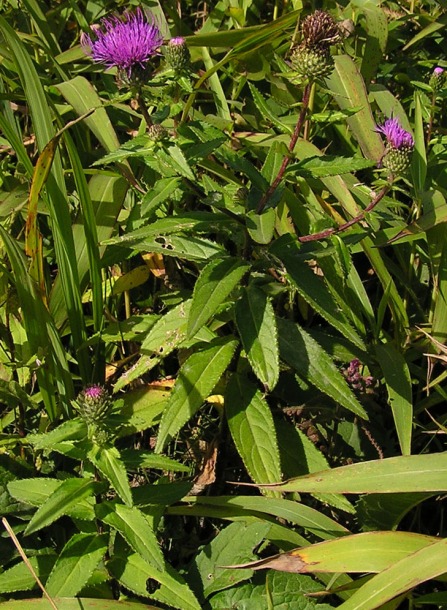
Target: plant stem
x,y
292,143
349,223
143,108
432,116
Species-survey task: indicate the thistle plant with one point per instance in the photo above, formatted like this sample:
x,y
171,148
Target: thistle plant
x,y
235,290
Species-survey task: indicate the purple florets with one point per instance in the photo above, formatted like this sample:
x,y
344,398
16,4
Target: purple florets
x,y
438,71
94,392
396,135
124,42
178,41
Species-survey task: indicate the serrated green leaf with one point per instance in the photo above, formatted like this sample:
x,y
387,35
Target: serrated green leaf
x,y
133,526
265,110
108,461
142,408
135,458
256,324
214,284
261,226
313,289
249,417
74,429
168,332
287,592
157,195
133,572
75,603
75,564
33,491
398,382
36,491
19,578
206,572
165,335
313,364
187,247
61,501
195,382
189,222
179,163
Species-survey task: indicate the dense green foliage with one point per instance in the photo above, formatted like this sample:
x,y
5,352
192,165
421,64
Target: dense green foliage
x,y
223,307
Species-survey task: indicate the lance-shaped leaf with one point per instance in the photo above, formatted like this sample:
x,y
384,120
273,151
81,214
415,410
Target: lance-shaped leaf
x,y
214,284
349,91
133,526
401,576
61,501
313,364
206,571
76,564
407,473
19,577
398,382
133,572
251,425
74,603
368,552
195,382
108,461
256,324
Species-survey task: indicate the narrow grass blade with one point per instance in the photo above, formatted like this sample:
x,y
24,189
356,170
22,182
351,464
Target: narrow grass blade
x,y
398,382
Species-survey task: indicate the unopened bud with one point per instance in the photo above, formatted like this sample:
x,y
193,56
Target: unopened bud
x,y
437,79
177,54
93,404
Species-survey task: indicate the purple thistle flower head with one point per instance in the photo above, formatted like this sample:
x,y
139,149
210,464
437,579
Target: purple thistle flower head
x,y
124,42
396,136
94,392
438,71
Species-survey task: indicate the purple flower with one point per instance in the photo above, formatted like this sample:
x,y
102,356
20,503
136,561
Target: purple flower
x,y
396,135
124,42
438,71
178,41
94,392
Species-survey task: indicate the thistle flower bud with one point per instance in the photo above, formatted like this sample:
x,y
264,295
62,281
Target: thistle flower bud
x,y
177,54
93,404
437,79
